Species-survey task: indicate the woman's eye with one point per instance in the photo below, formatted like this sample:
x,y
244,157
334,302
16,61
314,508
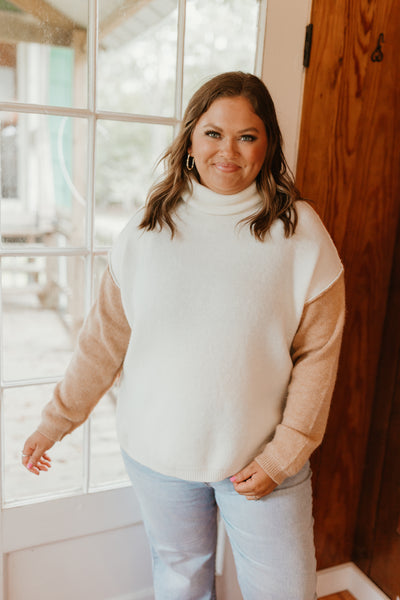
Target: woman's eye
x,y
247,138
213,134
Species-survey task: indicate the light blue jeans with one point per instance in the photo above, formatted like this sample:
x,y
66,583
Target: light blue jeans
x,y
272,538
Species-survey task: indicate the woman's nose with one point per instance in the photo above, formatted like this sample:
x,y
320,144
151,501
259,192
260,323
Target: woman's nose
x,y
229,147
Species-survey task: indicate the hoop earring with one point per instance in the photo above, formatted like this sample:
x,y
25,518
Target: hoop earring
x,y
190,162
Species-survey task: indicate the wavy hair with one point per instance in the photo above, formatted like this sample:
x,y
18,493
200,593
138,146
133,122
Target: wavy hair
x,y
275,182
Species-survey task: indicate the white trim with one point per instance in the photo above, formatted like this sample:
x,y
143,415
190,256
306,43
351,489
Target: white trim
x,y
85,113
348,577
180,55
137,118
283,70
87,514
147,594
261,34
48,251
44,109
17,383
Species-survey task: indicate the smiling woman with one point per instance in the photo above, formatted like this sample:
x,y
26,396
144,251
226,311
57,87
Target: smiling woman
x,y
226,341
228,157
228,145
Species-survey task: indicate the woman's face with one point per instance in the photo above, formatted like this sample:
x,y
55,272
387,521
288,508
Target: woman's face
x,y
228,144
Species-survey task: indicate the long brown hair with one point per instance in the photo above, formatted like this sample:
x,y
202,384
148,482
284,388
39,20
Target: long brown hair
x,y
274,181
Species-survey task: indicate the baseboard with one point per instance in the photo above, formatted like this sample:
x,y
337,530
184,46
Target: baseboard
x,y
329,581
348,577
147,594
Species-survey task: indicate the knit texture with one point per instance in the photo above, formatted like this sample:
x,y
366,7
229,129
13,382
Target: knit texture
x,y
214,313
227,346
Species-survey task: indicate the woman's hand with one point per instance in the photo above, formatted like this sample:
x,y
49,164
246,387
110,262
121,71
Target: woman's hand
x,y
253,482
34,454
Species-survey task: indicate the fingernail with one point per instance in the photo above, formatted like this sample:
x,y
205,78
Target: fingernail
x,y
29,465
232,479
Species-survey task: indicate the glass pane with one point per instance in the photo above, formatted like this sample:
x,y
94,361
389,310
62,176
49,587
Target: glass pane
x,y
220,36
106,465
43,307
43,56
137,56
126,154
43,178
106,462
22,408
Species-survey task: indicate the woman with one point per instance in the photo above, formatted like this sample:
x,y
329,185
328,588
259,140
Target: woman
x,y
222,309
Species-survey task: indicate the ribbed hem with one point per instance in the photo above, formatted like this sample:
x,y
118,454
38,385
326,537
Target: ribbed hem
x,y
194,474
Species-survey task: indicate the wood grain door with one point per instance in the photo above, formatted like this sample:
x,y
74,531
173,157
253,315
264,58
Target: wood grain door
x,y
377,540
349,165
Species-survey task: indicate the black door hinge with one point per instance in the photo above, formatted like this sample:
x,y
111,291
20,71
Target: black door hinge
x,y
307,45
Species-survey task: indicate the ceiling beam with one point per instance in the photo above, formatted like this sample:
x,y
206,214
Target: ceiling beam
x,y
46,13
16,27
119,15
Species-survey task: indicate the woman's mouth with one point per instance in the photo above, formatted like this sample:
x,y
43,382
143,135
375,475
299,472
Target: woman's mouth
x,y
227,167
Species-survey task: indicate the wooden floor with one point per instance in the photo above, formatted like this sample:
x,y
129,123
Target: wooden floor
x,y
339,596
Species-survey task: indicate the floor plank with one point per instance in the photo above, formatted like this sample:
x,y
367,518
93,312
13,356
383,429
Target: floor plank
x,y
345,595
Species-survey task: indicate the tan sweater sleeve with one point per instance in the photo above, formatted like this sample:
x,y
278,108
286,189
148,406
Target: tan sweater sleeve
x,y
315,354
94,366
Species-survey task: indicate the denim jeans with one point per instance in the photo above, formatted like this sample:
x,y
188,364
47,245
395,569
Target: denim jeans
x,y
272,538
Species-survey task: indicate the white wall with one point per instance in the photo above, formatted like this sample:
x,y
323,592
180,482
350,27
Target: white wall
x,y
283,70
113,565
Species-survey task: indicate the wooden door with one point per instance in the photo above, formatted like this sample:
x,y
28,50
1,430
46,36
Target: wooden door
x,y
377,540
349,165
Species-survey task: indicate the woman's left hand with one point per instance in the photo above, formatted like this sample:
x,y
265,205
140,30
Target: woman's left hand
x,y
253,482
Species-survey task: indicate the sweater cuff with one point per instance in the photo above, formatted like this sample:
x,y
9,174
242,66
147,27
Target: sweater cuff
x,y
53,425
270,465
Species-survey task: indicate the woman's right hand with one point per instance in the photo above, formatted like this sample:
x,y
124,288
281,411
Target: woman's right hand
x,y
34,454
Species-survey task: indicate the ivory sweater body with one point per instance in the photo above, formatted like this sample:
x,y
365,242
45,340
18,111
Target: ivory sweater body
x,y
213,315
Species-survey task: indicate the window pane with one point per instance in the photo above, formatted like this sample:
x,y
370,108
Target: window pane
x,y
126,154
43,179
106,462
43,306
106,465
21,413
137,56
43,56
220,36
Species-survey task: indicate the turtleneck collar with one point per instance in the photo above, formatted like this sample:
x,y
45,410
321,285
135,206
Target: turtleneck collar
x,y
207,201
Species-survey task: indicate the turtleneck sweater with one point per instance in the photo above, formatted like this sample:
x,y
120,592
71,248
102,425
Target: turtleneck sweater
x,y
207,201
226,346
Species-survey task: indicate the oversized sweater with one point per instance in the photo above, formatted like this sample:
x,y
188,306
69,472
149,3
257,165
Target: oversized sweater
x,y
227,346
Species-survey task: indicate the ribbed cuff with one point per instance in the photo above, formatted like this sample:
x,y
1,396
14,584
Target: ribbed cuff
x,y
272,468
54,426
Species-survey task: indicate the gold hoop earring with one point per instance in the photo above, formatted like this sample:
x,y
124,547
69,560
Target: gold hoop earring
x,y
189,162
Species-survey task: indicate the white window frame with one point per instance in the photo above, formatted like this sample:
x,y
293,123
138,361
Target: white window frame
x,y
89,252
